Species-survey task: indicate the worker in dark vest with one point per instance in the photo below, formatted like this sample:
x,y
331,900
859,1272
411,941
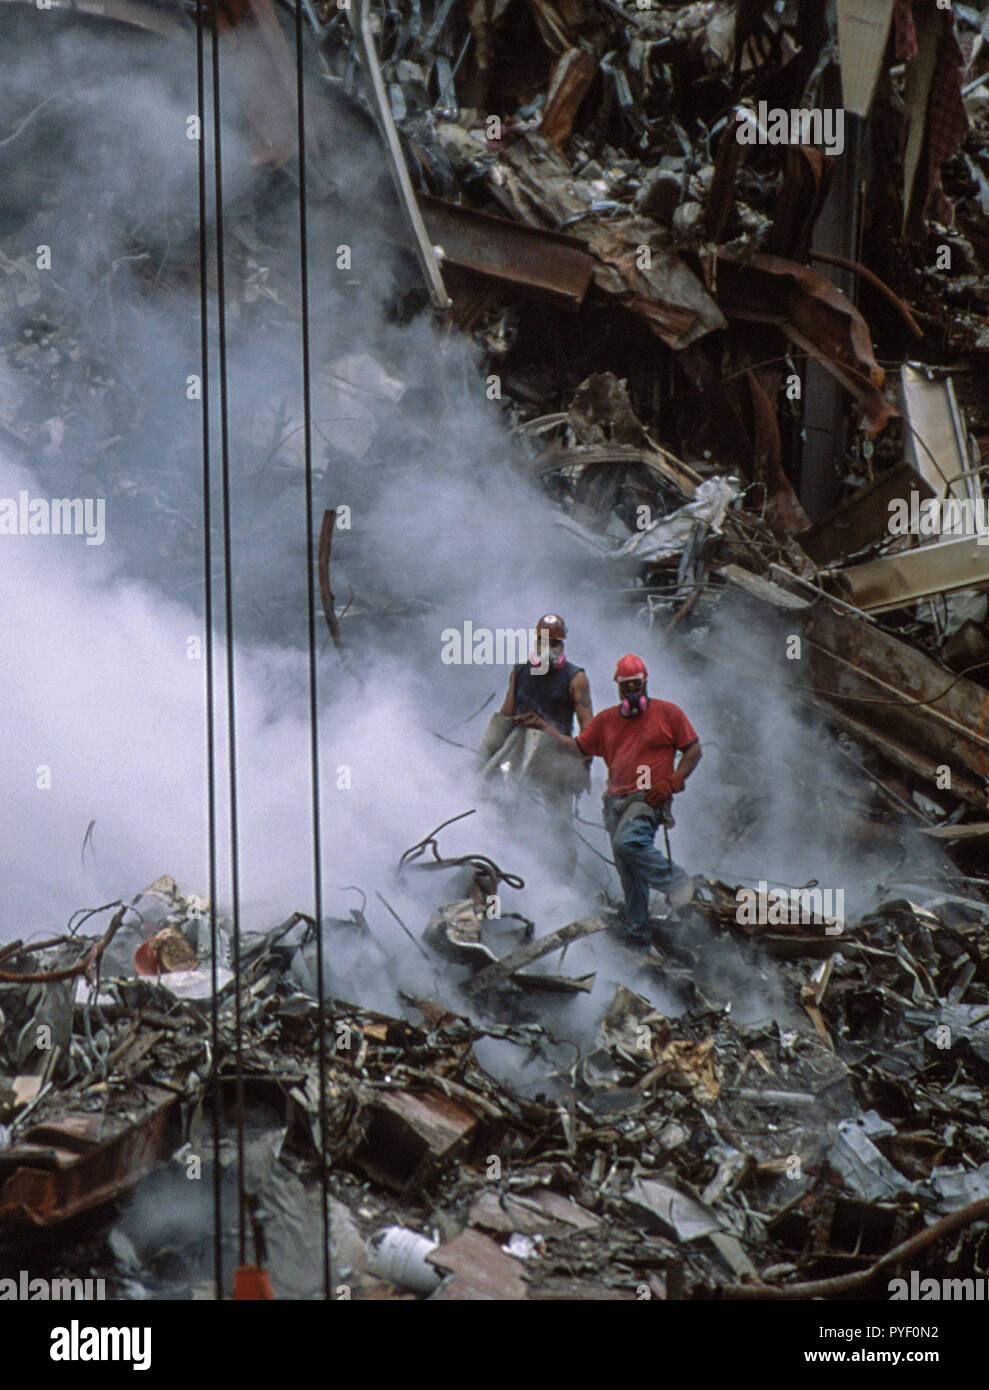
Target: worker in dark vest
x,y
638,739
549,684
557,691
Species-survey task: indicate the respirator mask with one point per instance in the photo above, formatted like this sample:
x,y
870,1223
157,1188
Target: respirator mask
x,y
547,658
633,698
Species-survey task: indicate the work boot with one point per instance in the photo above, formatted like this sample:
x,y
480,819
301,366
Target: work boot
x,y
682,895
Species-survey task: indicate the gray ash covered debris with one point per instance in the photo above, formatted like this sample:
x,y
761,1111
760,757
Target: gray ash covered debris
x,y
672,1147
721,363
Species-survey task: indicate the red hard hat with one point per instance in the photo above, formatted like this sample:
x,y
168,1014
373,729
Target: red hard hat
x,y
554,623
630,666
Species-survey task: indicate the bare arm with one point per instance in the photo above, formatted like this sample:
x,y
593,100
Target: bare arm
x,y
581,691
536,721
689,759
508,704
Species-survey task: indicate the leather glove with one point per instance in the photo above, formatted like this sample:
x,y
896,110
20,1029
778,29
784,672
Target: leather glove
x,y
662,791
659,793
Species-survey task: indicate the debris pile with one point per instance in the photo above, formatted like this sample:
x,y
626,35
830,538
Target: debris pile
x,y
742,372
690,1155
687,321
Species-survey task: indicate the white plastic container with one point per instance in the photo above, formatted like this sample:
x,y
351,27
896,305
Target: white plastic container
x,y
400,1257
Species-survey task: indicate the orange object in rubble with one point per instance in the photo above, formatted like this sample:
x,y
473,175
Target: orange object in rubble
x,y
164,952
252,1282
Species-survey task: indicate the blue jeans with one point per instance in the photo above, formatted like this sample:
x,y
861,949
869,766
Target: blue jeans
x,y
632,824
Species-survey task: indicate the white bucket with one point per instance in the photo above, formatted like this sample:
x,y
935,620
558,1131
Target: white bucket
x,y
400,1257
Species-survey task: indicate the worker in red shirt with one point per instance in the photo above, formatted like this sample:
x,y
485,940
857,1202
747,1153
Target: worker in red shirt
x,y
638,739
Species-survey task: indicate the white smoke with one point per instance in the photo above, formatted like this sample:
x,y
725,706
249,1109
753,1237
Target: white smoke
x,y
103,685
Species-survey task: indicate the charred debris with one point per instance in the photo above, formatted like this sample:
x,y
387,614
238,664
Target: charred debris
x,y
731,362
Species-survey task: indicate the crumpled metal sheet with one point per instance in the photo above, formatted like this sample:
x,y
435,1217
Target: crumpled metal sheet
x,y
665,293
669,535
814,313
962,1021
687,1219
534,182
957,1187
864,1169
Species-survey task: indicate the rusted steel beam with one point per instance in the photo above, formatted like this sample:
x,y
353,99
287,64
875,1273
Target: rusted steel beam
x,y
815,315
910,708
527,258
903,1254
408,1137
803,193
862,518
864,273
572,78
323,569
721,197
69,1165
533,950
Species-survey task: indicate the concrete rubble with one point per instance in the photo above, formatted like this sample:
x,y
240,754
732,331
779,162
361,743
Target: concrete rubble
x,y
664,308
691,1155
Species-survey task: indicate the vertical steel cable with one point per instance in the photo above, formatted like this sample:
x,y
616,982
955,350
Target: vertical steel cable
x,y
208,625
221,320
313,682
